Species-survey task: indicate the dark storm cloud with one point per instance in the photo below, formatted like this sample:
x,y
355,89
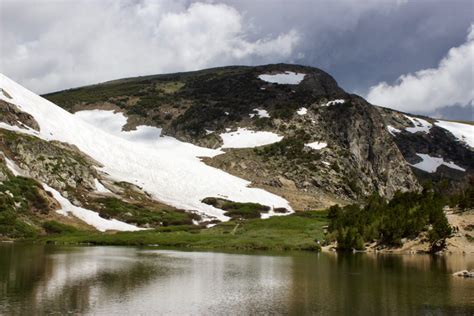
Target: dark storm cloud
x,y
360,42
364,42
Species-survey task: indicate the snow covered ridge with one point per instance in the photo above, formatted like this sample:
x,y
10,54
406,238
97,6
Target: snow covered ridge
x,y
421,125
288,77
244,138
260,113
317,145
463,132
168,169
431,164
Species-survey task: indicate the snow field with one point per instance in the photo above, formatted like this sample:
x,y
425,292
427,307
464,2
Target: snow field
x,y
463,132
170,170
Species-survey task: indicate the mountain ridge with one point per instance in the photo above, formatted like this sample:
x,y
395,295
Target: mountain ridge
x,y
185,124
306,142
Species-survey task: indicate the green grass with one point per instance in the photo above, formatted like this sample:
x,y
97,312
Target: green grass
x,y
54,227
96,93
244,210
237,210
115,208
18,196
298,231
19,199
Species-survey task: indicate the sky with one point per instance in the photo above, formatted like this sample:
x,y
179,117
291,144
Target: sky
x,y
416,56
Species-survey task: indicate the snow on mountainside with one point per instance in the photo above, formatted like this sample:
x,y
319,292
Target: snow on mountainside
x,y
244,138
420,125
463,132
369,148
431,164
288,77
168,169
89,217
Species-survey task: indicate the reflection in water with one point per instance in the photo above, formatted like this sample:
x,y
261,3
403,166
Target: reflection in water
x,y
47,279
368,284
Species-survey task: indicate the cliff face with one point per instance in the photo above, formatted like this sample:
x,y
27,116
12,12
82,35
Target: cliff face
x,y
375,159
439,151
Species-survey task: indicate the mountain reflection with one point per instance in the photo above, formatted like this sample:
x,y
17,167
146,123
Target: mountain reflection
x,y
48,279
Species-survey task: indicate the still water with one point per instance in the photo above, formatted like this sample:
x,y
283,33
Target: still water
x,y
58,280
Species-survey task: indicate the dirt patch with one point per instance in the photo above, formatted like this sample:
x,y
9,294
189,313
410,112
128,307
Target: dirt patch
x,y
463,237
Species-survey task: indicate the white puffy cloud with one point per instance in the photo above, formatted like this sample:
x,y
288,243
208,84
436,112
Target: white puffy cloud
x,y
428,90
64,44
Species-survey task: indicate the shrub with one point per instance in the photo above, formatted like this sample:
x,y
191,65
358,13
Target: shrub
x,y
244,210
54,227
405,216
140,215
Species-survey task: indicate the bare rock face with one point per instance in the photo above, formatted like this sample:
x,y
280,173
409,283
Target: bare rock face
x,y
11,115
58,165
375,161
3,169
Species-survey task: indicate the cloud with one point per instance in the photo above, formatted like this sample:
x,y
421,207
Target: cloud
x,y
50,45
71,43
456,112
428,90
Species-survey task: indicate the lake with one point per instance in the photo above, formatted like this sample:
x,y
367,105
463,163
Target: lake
x,y
49,279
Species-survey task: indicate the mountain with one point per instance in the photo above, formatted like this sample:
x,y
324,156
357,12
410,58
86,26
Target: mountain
x,y
198,147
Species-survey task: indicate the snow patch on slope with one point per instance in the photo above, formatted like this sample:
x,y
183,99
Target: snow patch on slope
x,y
463,132
288,77
145,136
90,217
112,123
421,125
12,166
317,145
337,101
392,130
431,164
99,187
244,138
302,111
170,170
260,113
